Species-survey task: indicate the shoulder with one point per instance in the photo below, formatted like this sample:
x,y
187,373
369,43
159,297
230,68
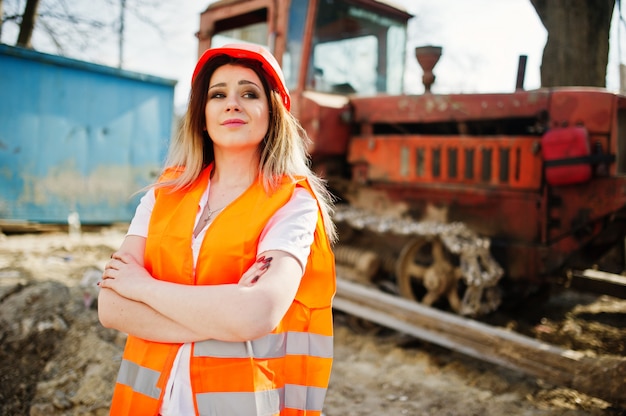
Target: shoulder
x,y
303,197
171,173
300,211
292,227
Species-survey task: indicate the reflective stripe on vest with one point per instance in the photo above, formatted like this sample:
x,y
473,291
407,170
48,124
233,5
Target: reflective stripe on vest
x,y
269,346
304,397
240,403
141,379
261,402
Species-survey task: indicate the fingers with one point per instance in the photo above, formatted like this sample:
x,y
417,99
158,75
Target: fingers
x,y
105,276
108,273
123,257
113,264
111,272
264,262
253,274
118,259
264,265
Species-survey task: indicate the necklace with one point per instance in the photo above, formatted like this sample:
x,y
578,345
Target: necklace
x,y
209,214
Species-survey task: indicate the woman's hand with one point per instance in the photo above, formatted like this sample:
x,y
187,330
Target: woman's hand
x,y
252,275
126,276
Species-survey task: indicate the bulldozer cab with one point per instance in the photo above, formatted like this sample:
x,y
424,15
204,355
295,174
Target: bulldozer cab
x,y
329,46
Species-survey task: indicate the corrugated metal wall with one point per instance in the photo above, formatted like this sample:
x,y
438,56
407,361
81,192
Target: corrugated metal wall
x,y
77,136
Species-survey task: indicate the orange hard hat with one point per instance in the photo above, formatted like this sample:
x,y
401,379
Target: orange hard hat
x,y
257,53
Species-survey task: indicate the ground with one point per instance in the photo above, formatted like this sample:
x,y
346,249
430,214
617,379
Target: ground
x,y
56,359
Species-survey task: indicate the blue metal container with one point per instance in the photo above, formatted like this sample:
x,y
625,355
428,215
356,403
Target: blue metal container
x,y
78,137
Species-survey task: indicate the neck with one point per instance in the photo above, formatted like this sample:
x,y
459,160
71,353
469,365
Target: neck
x,y
235,171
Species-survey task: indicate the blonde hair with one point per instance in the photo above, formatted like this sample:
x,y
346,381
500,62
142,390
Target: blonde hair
x,y
283,150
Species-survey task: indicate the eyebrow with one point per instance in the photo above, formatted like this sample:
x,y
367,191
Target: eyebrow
x,y
242,82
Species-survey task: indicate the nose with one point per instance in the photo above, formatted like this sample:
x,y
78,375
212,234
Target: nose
x,y
232,103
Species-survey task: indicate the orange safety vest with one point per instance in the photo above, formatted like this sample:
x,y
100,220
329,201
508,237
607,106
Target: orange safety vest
x,y
285,372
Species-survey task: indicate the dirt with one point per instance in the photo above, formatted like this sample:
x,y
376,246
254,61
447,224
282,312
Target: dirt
x,y
56,359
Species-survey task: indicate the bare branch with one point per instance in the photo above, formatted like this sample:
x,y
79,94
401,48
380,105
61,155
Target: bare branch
x,y
53,36
73,29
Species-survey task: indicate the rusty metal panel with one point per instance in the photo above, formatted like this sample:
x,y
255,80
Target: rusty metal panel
x,y
321,117
77,137
592,108
432,108
504,162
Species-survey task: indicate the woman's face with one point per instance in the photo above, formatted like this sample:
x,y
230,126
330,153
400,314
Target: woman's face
x,y
237,108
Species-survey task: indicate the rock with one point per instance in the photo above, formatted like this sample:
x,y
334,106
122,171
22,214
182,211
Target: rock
x,y
55,358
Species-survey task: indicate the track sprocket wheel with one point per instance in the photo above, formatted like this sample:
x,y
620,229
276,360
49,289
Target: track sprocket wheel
x,y
426,273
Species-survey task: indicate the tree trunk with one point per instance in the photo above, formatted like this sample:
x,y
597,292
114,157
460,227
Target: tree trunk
x,y
1,20
28,24
577,50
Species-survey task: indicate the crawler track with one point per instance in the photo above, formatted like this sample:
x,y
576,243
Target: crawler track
x,y
603,377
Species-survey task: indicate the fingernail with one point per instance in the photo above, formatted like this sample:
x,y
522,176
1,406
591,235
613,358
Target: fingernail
x,y
265,266
267,260
254,279
260,259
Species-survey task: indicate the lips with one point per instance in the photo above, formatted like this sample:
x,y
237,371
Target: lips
x,y
233,122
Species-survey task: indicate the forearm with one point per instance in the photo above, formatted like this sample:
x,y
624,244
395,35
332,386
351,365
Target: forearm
x,y
224,312
234,312
140,320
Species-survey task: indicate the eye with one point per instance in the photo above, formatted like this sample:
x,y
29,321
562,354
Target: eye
x,y
250,94
217,94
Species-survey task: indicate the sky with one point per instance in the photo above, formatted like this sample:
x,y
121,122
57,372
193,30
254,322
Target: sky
x,y
481,39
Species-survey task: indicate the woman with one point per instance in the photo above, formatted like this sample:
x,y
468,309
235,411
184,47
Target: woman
x,y
225,279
